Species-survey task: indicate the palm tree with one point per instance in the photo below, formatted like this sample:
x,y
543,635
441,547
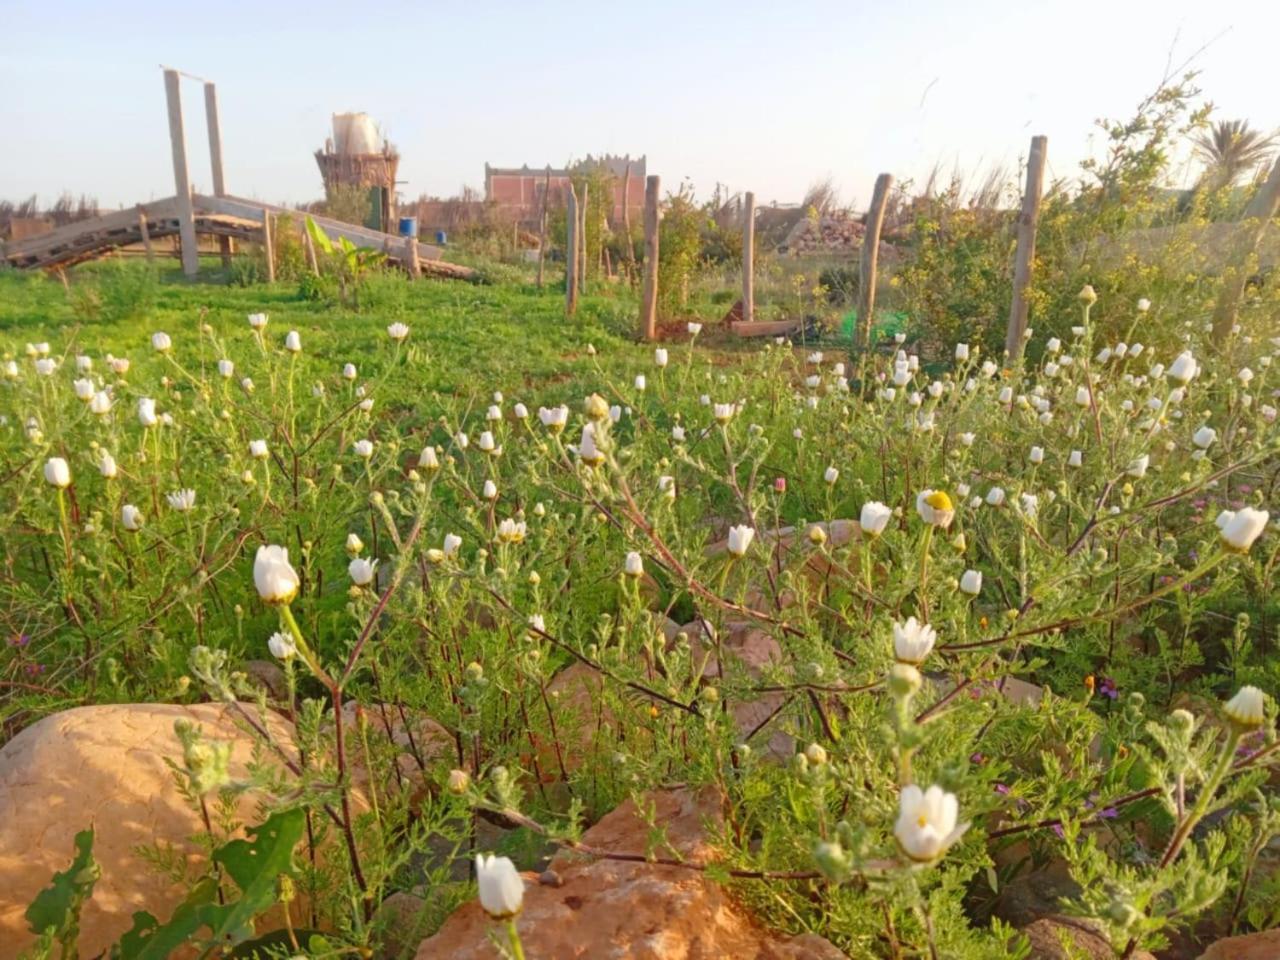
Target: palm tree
x,y
1230,148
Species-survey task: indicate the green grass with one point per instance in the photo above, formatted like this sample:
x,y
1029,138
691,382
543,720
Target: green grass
x,y
510,337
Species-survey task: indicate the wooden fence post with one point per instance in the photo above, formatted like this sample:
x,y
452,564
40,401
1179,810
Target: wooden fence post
x,y
870,259
411,257
146,235
542,226
629,247
748,258
1253,226
582,237
312,260
1024,258
571,252
215,161
268,248
649,295
181,179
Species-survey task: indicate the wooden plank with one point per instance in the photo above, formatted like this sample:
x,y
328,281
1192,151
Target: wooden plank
x,y
268,248
766,328
60,236
748,257
571,227
219,216
649,295
1258,215
360,236
870,259
215,160
181,178
1024,257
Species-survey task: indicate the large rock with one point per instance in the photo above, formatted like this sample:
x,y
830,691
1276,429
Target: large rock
x,y
1037,894
105,767
404,744
1252,946
751,649
629,911
1069,938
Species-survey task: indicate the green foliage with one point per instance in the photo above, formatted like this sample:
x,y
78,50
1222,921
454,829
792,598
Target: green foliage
x,y
680,250
1121,228
560,688
54,915
255,866
598,182
117,293
349,265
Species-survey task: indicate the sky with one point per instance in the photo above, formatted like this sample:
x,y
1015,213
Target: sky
x,y
763,96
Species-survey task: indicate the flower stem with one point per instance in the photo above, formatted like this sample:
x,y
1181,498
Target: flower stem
x,y
925,543
517,948
286,614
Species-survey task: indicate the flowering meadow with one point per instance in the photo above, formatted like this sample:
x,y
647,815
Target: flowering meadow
x,y
910,624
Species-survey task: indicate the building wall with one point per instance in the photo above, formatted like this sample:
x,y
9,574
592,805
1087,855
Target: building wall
x,y
521,190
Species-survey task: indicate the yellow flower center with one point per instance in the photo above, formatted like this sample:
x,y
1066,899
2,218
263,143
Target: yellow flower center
x,y
921,820
939,500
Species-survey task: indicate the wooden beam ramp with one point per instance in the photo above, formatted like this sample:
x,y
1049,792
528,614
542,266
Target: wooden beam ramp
x,y
214,216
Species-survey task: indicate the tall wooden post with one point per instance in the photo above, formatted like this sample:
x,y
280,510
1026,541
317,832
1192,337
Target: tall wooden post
x,y
145,233
411,262
268,248
748,258
1024,258
870,259
649,295
181,179
582,237
310,244
571,252
542,226
629,247
215,160
1261,210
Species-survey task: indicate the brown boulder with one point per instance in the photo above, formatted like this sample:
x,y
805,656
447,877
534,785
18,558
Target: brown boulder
x,y
1251,946
1070,938
415,739
104,767
583,724
268,676
629,911
402,918
751,648
1036,895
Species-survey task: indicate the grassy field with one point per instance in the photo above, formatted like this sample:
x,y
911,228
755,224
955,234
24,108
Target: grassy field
x,y
607,568
509,336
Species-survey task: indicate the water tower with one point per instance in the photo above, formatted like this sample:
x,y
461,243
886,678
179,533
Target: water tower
x,y
358,157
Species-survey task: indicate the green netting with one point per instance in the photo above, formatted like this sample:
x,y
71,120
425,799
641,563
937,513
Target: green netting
x,y
888,322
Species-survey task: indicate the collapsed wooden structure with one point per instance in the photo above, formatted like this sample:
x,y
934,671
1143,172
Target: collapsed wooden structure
x,y
186,215
229,217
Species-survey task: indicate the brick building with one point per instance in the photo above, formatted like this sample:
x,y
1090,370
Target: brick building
x,y
519,189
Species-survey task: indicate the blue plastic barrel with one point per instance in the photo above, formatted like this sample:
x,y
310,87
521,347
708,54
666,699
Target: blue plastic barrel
x,y
408,226
442,238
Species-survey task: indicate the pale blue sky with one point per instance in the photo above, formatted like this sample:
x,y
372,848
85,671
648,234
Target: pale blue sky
x,y
756,95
